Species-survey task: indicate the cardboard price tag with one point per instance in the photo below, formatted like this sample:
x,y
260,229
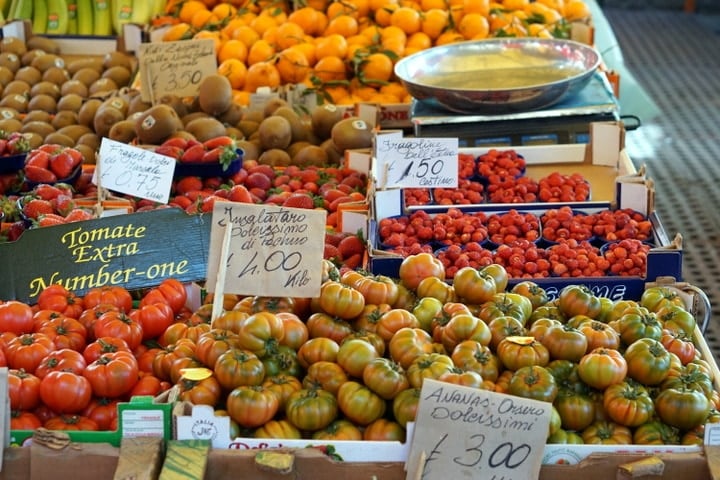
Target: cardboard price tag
x,y
272,250
175,67
134,171
462,432
417,162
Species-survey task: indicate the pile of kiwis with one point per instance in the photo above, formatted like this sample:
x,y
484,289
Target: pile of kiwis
x,y
77,101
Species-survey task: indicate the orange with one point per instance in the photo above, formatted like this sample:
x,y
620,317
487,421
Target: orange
x,y
189,9
407,19
233,48
310,20
336,93
434,22
539,30
376,5
345,25
330,69
180,31
246,35
289,34
426,5
224,10
449,36
260,51
261,74
372,33
235,71
359,40
418,41
558,5
308,49
333,45
515,4
394,39
203,18
384,13
319,5
375,69
262,23
292,66
216,37
232,25
477,6
474,26
359,8
395,89
241,97
548,15
576,10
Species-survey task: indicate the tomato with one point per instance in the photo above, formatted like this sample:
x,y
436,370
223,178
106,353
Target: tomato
x,y
148,385
354,355
607,433
321,324
16,317
628,403
656,432
474,356
503,327
576,410
394,320
549,310
425,309
466,378
170,291
200,392
71,422
464,327
599,335
532,291
278,429
360,404
405,406
119,325
386,430
115,295
474,286
376,289
385,377
339,300
296,331
238,367
602,367
272,304
23,389
311,409
90,315
325,375
210,345
648,361
180,330
414,268
103,345
540,327
674,317
516,352
637,323
113,374
407,344
428,365
438,288
565,437
58,298
22,420
691,377
260,332
65,392
578,300
566,375
655,298
684,408
506,304
316,350
443,317
27,351
168,356
533,382
154,319
680,344
65,332
103,412
565,343
282,386
63,359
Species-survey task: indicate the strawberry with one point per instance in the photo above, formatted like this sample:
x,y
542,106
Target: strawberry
x,y
240,194
62,164
334,237
188,184
221,141
170,151
193,154
299,200
3,147
38,158
177,142
78,214
330,252
351,245
39,174
35,207
16,229
49,220
352,262
48,192
16,144
63,204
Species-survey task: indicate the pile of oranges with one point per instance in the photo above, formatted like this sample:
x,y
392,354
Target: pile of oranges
x,y
346,49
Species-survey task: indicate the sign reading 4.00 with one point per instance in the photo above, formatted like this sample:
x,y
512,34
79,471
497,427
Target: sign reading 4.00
x,y
417,162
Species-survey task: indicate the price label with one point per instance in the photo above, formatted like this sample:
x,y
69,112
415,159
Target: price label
x,y
272,251
135,171
463,432
175,67
417,162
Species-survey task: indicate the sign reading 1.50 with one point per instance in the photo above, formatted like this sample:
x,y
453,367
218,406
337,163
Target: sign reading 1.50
x,y
417,162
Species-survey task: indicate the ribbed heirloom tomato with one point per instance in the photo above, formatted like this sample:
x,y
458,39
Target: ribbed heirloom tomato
x,y
311,409
65,392
360,404
16,317
112,374
414,268
602,367
628,403
23,389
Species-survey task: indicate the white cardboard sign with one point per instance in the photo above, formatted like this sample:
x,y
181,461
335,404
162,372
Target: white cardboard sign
x,y
417,162
463,432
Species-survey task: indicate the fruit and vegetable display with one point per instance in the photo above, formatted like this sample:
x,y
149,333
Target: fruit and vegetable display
x,y
349,364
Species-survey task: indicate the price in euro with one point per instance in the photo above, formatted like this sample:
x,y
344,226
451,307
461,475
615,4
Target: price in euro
x,y
418,162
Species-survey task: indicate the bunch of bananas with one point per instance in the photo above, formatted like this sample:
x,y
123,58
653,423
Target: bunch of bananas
x,y
80,17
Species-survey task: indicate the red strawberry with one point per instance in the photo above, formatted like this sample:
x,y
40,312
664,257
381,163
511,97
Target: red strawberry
x,y
48,192
193,154
188,184
334,238
63,204
36,207
38,158
240,194
351,245
169,151
352,262
330,252
62,164
16,229
3,146
78,214
50,220
39,174
177,142
299,200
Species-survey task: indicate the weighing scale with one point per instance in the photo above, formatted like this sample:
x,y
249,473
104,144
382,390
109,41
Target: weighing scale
x,y
568,121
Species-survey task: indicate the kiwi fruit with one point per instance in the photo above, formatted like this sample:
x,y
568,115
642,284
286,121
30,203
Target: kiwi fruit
x,y
34,139
248,127
352,133
323,118
28,57
10,61
86,75
56,75
297,128
44,61
205,128
102,85
16,87
251,150
272,105
90,62
275,157
335,155
311,155
117,59
73,130
295,147
123,131
215,94
16,101
233,114
234,132
105,117
88,153
156,124
37,116
184,134
45,88
74,86
90,139
192,116
71,101
40,42
176,102
117,101
59,139
253,115
9,124
41,128
43,102
275,132
86,112
6,76
137,104
13,45
65,118
119,74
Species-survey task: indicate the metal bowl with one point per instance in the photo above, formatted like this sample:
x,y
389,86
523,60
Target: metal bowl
x,y
497,76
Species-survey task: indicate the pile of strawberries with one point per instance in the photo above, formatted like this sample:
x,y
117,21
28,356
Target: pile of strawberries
x,y
52,163
48,205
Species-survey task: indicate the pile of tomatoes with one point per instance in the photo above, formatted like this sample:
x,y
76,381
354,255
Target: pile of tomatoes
x,y
349,364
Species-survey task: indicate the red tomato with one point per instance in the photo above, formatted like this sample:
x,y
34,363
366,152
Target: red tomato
x,y
113,374
16,317
65,392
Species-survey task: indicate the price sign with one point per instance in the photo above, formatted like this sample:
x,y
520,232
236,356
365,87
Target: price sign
x,y
134,171
462,432
417,162
175,67
272,251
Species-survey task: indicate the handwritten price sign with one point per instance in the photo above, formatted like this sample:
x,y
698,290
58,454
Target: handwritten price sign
x,y
463,432
175,67
273,250
135,171
417,162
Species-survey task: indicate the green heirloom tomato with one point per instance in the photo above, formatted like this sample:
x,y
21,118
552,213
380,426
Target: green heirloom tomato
x,y
602,367
648,361
578,300
683,408
533,382
628,403
656,432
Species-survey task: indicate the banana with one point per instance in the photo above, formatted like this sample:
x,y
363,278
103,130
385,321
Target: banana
x,y
122,11
39,16
72,17
84,14
141,12
102,20
57,17
23,10
158,7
